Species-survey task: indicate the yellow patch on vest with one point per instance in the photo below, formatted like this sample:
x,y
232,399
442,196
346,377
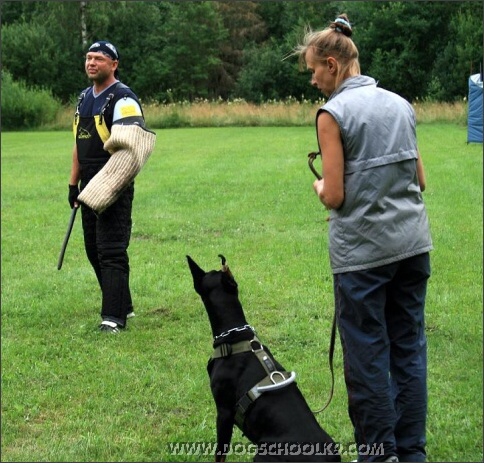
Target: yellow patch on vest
x,y
102,130
74,127
131,110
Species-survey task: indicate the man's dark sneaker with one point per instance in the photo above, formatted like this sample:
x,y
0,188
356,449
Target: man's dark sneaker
x,y
108,326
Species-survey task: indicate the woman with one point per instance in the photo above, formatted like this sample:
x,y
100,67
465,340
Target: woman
x,y
379,243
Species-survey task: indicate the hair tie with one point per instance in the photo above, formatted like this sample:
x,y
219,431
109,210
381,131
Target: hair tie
x,y
342,21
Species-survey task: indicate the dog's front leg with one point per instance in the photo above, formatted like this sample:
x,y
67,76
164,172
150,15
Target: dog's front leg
x,y
225,426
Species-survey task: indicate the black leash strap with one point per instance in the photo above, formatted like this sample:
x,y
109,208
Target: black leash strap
x,y
330,357
311,157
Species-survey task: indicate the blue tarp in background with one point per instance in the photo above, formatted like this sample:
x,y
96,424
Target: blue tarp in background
x,y
474,114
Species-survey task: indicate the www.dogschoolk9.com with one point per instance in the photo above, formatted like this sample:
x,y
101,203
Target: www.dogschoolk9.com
x,y
275,448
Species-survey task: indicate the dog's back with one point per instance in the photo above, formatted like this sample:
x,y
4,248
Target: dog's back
x,y
279,421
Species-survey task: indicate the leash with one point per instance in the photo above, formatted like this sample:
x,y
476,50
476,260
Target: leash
x,y
311,157
331,368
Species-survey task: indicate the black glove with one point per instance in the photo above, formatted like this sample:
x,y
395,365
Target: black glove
x,y
73,194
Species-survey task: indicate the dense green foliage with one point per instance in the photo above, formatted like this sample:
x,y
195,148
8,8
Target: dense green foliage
x,y
24,107
173,51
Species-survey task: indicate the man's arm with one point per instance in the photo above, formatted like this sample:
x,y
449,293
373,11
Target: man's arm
x,y
75,170
74,180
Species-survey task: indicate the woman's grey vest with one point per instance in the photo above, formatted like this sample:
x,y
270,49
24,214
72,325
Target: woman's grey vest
x,y
383,218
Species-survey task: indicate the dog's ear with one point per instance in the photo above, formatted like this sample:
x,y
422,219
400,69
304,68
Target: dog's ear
x,y
228,279
225,267
197,274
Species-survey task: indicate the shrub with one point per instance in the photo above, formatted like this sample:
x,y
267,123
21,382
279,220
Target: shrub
x,y
26,108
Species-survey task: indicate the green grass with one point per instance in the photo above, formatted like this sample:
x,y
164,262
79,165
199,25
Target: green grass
x,y
70,393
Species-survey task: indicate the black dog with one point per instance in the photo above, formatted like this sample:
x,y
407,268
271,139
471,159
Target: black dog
x,y
250,388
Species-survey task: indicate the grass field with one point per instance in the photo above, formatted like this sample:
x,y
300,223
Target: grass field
x,y
70,393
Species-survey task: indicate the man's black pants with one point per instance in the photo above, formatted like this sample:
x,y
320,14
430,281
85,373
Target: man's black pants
x,y
106,241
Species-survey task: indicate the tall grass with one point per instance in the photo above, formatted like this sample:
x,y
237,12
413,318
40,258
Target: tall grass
x,y
70,393
239,113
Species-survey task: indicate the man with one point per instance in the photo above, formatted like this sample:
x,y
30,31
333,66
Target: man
x,y
112,144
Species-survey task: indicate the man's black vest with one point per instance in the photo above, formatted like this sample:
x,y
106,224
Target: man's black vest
x,y
93,120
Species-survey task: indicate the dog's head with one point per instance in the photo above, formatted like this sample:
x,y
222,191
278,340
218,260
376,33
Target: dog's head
x,y
219,292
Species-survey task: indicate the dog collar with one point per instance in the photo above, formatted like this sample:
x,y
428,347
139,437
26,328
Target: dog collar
x,y
232,330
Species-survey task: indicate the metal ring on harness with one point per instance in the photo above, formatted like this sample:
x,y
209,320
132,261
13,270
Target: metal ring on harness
x,y
259,343
275,386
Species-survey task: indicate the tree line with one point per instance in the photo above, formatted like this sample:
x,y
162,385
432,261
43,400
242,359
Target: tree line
x,y
188,50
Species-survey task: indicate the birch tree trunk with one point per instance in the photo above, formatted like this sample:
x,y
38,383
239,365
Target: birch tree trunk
x,y
82,7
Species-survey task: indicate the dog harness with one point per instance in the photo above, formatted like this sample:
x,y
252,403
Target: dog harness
x,y
274,380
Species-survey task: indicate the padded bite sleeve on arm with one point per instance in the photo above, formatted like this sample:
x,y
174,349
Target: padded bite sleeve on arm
x,y
130,147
